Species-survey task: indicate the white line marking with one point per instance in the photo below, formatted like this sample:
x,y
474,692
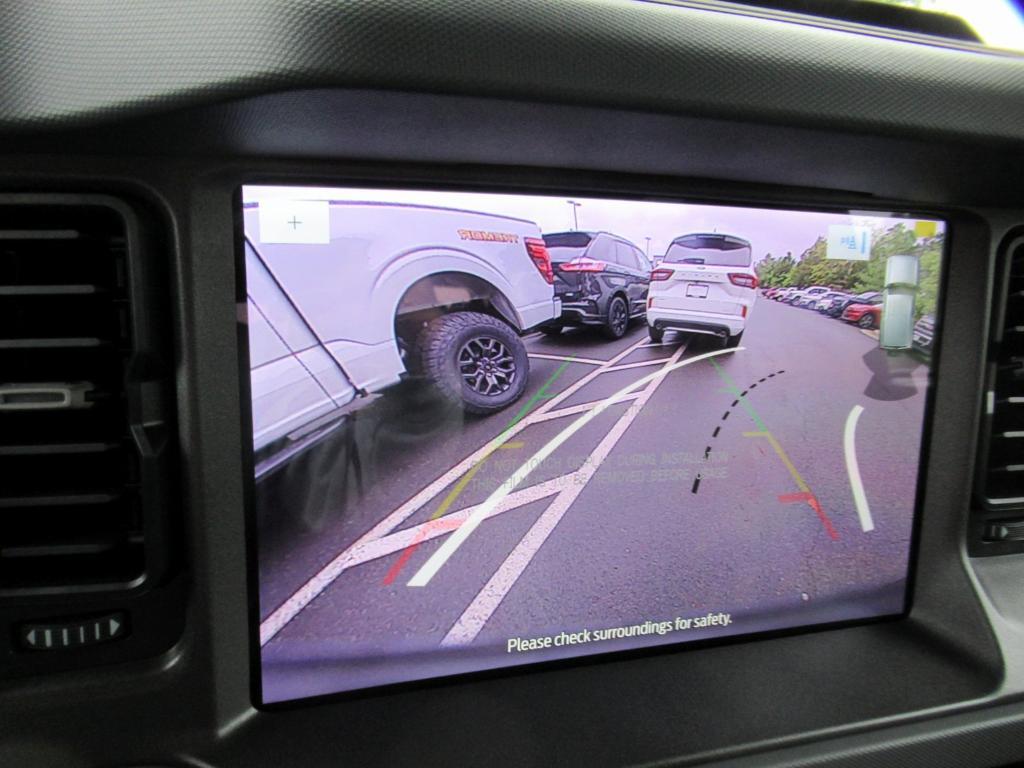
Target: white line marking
x,y
365,551
570,410
305,594
431,529
859,499
567,359
446,550
641,364
472,620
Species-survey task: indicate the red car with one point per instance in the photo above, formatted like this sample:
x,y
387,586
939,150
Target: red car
x,y
864,315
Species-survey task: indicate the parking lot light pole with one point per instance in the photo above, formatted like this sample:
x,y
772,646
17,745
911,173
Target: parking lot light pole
x,y
575,220
648,251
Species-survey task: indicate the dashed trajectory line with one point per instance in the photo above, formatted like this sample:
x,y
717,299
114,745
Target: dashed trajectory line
x,y
805,494
731,390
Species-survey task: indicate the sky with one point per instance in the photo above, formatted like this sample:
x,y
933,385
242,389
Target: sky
x,y
768,231
997,22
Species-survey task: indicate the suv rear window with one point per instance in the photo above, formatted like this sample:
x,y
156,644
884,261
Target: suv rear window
x,y
713,250
566,246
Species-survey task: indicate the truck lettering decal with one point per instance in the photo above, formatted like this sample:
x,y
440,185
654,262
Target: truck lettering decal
x,y
479,234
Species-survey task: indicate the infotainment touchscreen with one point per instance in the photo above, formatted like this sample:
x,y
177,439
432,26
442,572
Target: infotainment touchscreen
x,y
493,430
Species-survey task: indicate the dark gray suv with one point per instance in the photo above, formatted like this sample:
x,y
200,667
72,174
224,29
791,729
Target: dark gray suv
x,y
601,279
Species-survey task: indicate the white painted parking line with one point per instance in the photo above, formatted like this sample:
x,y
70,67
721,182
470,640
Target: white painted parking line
x,y
860,500
308,592
571,410
364,551
566,358
453,542
431,529
641,364
473,619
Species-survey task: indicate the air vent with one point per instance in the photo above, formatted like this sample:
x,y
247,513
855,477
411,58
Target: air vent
x,y
83,420
1000,482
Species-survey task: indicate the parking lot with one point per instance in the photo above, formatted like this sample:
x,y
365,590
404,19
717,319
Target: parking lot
x,y
726,487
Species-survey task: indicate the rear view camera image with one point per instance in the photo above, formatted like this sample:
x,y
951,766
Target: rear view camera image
x,y
491,430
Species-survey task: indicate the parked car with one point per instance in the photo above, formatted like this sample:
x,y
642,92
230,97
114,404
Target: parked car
x,y
924,332
785,294
601,280
837,308
793,296
809,296
824,303
705,284
391,290
867,315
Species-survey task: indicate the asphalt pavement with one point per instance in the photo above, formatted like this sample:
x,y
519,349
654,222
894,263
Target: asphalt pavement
x,y
767,487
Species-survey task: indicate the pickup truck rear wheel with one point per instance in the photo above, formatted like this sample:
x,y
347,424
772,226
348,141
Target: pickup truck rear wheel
x,y
473,360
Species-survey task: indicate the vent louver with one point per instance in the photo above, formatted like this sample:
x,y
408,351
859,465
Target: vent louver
x,y
81,421
1000,483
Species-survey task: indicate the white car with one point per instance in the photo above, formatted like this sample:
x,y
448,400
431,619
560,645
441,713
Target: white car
x,y
825,303
808,297
385,290
704,284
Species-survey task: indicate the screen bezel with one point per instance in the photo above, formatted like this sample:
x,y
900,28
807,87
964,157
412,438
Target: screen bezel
x,y
497,181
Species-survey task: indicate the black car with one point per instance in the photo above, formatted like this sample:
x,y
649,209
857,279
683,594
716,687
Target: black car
x,y
838,307
601,278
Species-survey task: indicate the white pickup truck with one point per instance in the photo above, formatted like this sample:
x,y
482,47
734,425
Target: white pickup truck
x,y
382,290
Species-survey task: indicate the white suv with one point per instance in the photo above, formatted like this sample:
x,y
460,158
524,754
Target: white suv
x,y
704,284
387,290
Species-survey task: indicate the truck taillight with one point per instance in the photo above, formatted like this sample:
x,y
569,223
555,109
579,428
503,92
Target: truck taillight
x,y
743,280
583,265
541,258
660,274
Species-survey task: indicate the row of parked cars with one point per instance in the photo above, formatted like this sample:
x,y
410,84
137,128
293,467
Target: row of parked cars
x,y
862,309
446,296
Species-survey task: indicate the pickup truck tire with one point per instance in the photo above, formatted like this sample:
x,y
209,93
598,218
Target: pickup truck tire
x,y
732,342
554,329
473,360
656,334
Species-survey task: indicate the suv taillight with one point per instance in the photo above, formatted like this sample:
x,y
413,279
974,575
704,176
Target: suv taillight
x,y
743,280
541,258
583,264
660,274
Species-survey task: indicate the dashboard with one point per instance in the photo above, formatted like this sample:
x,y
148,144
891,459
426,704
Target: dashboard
x,y
154,526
